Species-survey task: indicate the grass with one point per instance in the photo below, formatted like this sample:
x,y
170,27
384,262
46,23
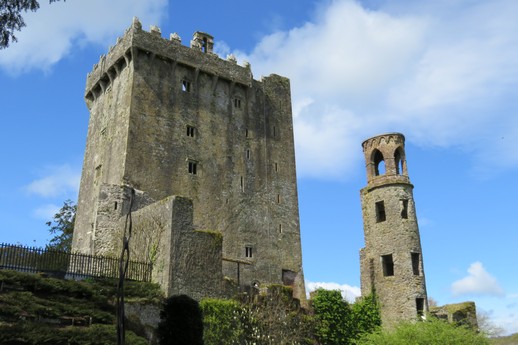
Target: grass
x,y
34,309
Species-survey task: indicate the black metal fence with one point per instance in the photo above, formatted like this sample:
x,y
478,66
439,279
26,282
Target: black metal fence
x,y
68,265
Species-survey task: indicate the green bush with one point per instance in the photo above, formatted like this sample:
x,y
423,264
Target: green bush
x,y
180,322
28,333
338,322
333,317
222,320
366,315
430,332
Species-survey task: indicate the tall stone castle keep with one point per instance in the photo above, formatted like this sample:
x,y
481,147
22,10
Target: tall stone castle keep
x,y
210,153
392,260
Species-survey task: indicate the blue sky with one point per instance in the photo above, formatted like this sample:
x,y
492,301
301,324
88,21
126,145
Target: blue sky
x,y
443,72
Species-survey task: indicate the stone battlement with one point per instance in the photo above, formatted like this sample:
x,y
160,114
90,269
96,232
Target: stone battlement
x,y
198,56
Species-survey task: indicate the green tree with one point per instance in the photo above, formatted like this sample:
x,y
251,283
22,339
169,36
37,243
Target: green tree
x,y
333,317
430,332
222,321
11,19
366,315
62,227
181,322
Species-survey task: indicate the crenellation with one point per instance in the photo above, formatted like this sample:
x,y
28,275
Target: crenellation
x,y
168,50
136,24
231,58
154,29
175,38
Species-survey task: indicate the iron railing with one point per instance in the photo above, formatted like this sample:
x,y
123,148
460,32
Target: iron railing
x,y
68,265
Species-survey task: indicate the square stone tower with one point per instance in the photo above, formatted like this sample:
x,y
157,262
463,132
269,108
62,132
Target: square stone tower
x,y
171,120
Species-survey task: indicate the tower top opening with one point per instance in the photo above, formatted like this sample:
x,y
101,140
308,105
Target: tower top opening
x,y
385,158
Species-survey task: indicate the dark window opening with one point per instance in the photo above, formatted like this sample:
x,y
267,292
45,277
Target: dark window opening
x,y
379,163
388,265
415,263
288,277
419,304
204,45
186,86
190,131
193,168
237,103
280,228
247,154
380,212
242,184
278,198
246,133
404,208
398,161
276,167
115,206
274,132
248,252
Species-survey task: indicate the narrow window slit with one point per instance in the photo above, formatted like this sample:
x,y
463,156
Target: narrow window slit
x,y
404,208
415,263
388,265
191,131
380,212
186,86
193,168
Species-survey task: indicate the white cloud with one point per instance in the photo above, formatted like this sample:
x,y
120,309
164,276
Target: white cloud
x,y
60,180
46,212
348,292
55,29
478,281
443,75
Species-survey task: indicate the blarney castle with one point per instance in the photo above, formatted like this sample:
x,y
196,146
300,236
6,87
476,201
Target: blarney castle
x,y
209,151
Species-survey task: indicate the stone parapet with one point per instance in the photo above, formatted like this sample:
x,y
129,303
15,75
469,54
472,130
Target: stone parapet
x,y
135,39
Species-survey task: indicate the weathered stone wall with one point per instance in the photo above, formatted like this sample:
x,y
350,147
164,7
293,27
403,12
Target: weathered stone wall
x,y
104,158
464,313
166,108
391,262
185,261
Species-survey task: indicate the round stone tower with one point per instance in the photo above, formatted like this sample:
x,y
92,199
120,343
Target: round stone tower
x,y
392,260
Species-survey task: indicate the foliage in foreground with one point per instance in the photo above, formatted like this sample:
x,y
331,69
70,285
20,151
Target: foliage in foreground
x,y
430,332
507,340
271,318
30,333
275,318
181,322
45,302
338,322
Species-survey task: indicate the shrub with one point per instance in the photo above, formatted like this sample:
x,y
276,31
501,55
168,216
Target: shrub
x,y
333,317
366,316
181,322
430,332
29,333
222,321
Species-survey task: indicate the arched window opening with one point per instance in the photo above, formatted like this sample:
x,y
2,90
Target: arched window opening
x,y
398,160
379,163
